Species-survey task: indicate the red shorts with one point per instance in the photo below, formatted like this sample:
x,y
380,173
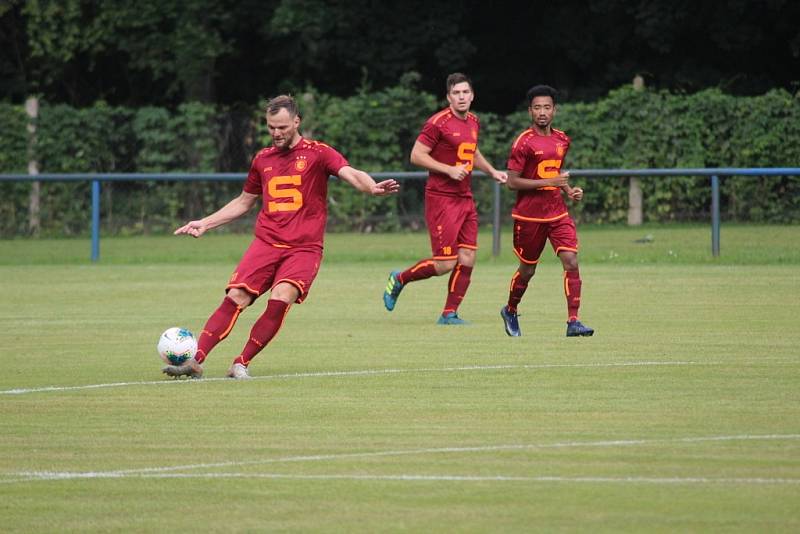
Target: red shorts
x,y
529,238
263,266
452,224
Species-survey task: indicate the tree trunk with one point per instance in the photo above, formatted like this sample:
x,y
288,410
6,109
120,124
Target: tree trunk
x,y
634,202
34,221
634,185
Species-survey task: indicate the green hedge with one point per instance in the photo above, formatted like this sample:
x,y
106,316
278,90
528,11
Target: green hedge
x,y
376,129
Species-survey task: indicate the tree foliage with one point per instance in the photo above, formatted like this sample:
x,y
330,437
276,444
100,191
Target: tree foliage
x,y
375,130
150,52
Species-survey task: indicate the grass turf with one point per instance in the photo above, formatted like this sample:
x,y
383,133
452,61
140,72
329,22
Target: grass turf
x,y
680,414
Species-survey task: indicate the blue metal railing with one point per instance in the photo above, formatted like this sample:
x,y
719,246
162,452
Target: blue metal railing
x,y
713,173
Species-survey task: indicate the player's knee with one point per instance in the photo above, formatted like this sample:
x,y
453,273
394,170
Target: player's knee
x,y
444,266
569,260
526,270
286,292
466,256
241,297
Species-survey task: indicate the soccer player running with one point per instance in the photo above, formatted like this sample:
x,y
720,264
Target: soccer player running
x,y
447,147
540,213
291,177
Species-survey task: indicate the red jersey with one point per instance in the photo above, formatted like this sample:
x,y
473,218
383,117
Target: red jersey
x,y
452,140
294,186
537,157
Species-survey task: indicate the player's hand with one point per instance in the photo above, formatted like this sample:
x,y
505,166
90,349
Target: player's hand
x,y
192,228
576,194
562,180
458,172
386,187
500,177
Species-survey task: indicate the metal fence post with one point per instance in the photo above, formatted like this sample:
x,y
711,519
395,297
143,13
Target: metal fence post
x,y
496,221
715,216
95,220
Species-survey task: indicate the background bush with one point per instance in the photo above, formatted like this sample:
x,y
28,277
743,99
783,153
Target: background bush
x,y
376,130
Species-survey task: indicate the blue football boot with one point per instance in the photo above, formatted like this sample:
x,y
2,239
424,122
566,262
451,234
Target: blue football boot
x,y
576,328
510,321
392,291
451,318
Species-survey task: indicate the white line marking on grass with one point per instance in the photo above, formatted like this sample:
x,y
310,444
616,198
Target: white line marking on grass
x,y
422,478
365,372
25,476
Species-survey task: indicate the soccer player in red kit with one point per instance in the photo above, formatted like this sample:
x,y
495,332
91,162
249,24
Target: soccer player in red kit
x,y
448,148
540,213
291,177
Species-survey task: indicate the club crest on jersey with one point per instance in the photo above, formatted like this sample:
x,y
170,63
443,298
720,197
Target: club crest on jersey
x,y
475,134
561,150
300,164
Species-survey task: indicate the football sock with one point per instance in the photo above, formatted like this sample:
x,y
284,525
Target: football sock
x,y
263,330
420,271
572,290
515,291
457,287
217,328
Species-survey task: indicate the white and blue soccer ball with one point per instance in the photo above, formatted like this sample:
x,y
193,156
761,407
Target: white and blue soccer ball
x,y
176,345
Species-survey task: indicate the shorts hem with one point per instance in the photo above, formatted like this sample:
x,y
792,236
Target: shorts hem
x,y
245,287
526,261
538,220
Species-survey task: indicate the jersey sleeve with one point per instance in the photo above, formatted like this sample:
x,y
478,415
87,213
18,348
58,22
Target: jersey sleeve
x,y
253,183
516,160
334,161
430,135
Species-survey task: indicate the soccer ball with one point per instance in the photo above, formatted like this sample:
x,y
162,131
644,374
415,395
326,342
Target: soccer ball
x,y
176,345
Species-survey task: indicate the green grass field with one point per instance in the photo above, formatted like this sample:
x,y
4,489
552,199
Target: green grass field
x,y
681,414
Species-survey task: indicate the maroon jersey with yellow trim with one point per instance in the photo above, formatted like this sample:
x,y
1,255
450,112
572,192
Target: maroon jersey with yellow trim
x,y
452,141
537,157
294,187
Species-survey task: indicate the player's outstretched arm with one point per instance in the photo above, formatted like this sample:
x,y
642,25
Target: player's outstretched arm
x,y
230,211
364,182
483,164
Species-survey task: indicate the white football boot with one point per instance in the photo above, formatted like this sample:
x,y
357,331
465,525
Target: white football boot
x,y
238,371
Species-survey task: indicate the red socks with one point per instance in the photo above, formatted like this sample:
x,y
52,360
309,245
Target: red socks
x,y
217,328
516,290
572,290
457,287
263,330
422,270
221,322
